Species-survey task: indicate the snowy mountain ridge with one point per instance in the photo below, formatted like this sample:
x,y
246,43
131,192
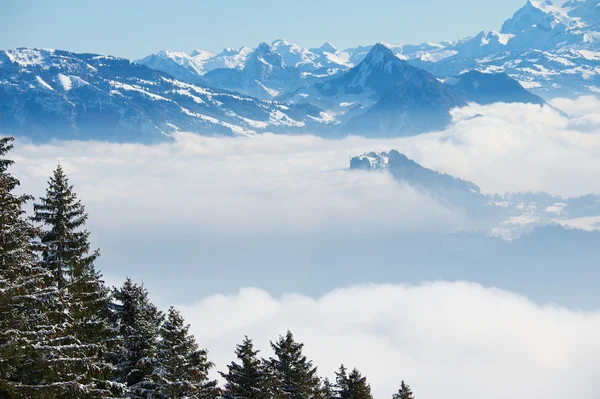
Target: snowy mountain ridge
x,y
551,47
503,215
53,93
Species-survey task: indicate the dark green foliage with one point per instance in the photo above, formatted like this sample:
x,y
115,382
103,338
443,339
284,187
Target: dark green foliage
x,y
138,322
65,246
293,375
87,334
327,390
246,379
404,392
26,292
182,370
353,385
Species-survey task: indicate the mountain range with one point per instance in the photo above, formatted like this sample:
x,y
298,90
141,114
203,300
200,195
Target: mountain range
x,y
550,47
546,49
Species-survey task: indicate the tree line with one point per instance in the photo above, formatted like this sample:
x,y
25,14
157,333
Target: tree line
x,y
65,334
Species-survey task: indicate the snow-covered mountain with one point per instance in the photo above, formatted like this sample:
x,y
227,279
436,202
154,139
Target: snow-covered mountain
x,y
487,88
504,215
551,47
384,95
53,93
264,72
264,75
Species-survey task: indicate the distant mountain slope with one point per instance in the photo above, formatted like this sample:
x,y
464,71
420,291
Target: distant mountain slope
x,y
384,96
53,93
487,88
264,75
504,215
552,47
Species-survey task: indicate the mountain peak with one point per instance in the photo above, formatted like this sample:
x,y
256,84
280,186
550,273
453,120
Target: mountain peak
x,y
264,47
202,54
281,42
328,47
380,56
262,59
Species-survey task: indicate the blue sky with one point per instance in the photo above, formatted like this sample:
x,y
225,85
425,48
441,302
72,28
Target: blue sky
x,y
136,28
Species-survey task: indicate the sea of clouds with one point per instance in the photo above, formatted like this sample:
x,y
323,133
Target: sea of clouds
x,y
447,340
198,211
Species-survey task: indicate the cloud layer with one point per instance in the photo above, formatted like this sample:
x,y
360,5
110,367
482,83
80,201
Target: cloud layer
x,y
231,212
448,340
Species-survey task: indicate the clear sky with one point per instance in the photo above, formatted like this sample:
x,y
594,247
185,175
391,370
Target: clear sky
x,y
134,28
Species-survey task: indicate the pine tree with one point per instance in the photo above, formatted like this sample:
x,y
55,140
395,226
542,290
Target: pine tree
x,y
295,376
29,301
66,246
87,334
138,322
404,392
182,370
341,382
246,380
353,385
327,390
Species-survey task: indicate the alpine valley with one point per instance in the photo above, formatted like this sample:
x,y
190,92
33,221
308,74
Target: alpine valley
x,y
547,49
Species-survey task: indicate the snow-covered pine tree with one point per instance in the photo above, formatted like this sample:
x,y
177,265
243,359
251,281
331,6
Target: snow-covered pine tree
x,y
182,368
353,385
404,392
29,302
138,323
88,334
295,375
66,246
246,379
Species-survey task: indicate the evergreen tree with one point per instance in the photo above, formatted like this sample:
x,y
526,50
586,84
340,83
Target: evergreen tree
x,y
35,345
87,333
294,375
246,380
404,392
353,385
182,370
138,322
65,245
327,390
341,382
25,291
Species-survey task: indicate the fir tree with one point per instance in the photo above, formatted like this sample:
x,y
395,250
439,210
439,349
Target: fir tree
x,y
294,375
29,302
65,245
246,380
404,392
182,370
138,322
353,385
327,390
341,382
87,332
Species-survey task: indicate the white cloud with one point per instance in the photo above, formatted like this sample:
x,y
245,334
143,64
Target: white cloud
x,y
448,340
209,207
231,184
